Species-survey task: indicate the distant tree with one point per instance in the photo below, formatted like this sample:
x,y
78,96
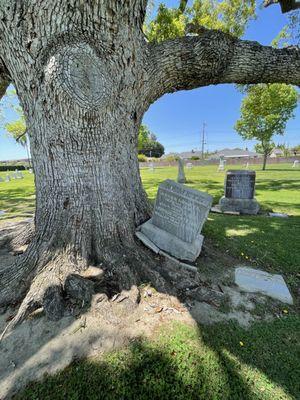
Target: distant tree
x,y
264,112
17,130
265,149
286,150
296,149
148,144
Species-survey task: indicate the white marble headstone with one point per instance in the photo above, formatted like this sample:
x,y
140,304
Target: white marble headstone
x,y
257,281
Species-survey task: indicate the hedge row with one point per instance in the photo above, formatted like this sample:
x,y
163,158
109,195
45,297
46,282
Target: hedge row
x,y
12,167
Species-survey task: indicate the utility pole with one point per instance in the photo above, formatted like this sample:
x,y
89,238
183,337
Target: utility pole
x,y
203,140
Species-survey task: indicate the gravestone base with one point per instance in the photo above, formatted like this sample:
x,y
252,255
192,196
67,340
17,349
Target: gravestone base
x,y
243,206
172,244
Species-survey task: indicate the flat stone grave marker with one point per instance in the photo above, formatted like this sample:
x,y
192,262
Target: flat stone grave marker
x,y
278,215
257,281
177,220
239,192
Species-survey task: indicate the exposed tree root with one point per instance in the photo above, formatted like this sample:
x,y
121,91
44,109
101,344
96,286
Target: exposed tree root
x,y
62,285
17,235
24,235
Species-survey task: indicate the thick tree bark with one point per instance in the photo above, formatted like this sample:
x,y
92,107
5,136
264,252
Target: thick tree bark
x,y
286,5
4,79
214,58
85,76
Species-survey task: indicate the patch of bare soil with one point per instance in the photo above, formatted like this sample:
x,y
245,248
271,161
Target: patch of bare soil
x,y
40,346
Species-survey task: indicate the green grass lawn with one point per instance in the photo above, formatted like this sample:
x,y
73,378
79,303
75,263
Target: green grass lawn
x,y
17,197
188,363
217,362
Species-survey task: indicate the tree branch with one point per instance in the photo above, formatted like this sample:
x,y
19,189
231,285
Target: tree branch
x,y
214,58
286,5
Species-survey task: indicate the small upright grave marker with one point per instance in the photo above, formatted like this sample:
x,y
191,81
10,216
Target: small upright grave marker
x,y
295,164
239,192
151,166
177,220
221,164
181,175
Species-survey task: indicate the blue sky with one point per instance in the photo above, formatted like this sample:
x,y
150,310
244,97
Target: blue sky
x,y
177,119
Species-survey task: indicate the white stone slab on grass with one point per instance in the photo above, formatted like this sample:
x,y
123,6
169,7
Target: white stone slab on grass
x,y
257,281
279,215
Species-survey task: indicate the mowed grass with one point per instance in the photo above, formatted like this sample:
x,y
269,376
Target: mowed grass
x,y
17,197
222,361
187,363
269,243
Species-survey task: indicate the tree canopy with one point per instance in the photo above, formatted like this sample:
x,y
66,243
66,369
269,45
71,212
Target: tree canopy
x,y
229,16
265,112
148,144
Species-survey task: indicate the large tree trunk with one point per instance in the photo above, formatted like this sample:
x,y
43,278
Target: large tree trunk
x,y
85,75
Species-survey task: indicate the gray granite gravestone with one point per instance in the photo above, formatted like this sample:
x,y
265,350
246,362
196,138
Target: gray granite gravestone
x,y
177,220
1,179
239,192
181,175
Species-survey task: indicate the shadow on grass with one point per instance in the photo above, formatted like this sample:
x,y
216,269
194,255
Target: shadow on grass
x,y
268,242
187,364
211,365
277,184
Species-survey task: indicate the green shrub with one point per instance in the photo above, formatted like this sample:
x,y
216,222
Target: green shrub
x,y
171,158
142,158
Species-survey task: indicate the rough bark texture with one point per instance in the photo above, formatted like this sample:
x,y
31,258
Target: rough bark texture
x,y
4,79
85,75
286,5
214,58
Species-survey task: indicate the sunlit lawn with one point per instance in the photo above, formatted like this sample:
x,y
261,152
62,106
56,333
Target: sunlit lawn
x,y
209,363
269,242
